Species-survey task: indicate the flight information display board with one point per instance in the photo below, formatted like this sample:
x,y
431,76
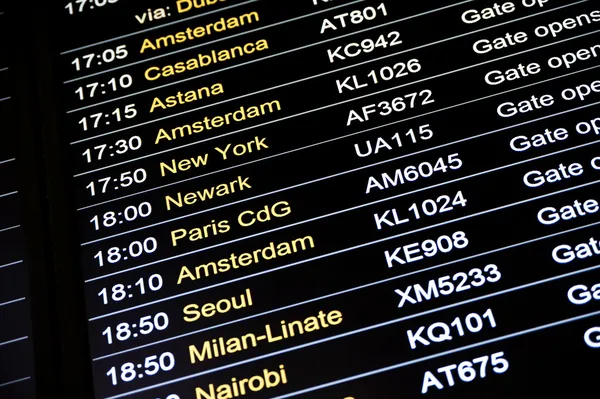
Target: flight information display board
x,y
16,349
336,199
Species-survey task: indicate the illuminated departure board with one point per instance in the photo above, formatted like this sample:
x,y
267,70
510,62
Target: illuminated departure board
x,y
335,199
16,350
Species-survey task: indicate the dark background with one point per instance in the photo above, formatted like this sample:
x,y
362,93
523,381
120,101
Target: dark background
x,y
543,366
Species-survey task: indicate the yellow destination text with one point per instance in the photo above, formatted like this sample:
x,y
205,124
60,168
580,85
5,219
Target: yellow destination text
x,y
236,261
193,312
246,218
228,152
222,346
203,60
221,190
198,32
189,5
215,122
242,386
188,97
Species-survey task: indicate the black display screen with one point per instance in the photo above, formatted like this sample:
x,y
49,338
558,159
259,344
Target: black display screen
x,y
335,199
16,351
